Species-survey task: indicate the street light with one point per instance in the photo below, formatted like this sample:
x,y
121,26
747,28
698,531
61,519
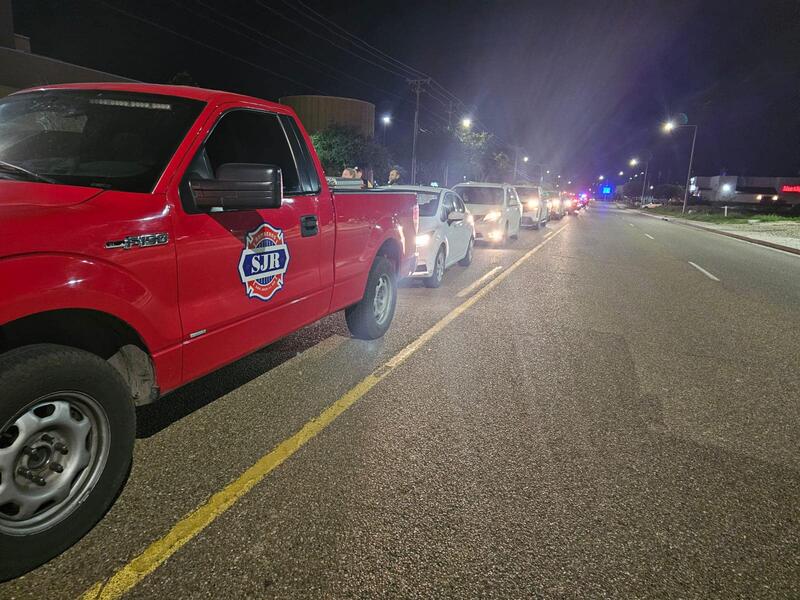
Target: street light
x,y
386,120
466,123
667,128
524,159
601,177
633,162
621,173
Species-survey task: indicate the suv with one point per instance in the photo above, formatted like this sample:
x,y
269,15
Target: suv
x,y
534,209
495,208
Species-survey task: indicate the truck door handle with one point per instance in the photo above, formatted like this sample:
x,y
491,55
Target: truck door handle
x,y
309,225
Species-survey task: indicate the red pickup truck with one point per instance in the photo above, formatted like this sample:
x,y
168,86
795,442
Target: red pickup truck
x,y
149,235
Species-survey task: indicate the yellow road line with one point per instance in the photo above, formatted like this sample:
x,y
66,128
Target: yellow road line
x,y
195,522
468,290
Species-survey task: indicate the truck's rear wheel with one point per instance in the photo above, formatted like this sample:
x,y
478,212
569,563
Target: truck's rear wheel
x,y
370,318
67,426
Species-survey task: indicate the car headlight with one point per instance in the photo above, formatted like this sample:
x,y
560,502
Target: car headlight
x,y
533,204
423,240
492,216
775,197
759,197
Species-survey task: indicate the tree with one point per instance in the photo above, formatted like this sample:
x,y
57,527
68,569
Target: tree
x,y
339,147
632,189
668,191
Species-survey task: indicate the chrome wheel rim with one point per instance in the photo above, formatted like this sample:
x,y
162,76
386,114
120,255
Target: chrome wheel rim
x,y
439,266
470,249
383,299
52,454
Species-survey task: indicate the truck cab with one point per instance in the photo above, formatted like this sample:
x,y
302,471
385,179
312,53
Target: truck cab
x,y
149,235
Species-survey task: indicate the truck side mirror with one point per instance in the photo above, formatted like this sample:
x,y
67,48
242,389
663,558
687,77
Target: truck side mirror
x,y
240,186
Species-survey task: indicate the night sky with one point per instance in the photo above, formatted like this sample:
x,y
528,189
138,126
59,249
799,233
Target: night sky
x,y
581,86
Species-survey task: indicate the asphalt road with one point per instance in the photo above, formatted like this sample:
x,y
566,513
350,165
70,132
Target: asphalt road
x,y
606,420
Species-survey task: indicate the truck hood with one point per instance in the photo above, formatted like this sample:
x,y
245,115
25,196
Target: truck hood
x,y
18,194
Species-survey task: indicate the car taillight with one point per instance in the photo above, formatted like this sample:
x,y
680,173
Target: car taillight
x,y
415,217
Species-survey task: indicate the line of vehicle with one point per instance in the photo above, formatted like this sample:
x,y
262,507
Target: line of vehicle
x,y
476,284
132,573
650,236
703,271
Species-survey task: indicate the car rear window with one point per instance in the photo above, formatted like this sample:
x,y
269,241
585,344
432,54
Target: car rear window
x,y
480,195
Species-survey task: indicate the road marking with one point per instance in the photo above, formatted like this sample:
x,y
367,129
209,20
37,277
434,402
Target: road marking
x,y
469,289
650,236
703,271
127,577
548,233
631,224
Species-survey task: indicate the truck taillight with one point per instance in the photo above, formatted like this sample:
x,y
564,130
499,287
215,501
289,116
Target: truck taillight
x,y
416,218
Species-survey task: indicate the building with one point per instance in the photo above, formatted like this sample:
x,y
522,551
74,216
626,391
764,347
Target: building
x,y
320,112
733,189
20,68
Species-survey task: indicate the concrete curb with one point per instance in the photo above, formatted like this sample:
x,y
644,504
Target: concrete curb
x,y
736,236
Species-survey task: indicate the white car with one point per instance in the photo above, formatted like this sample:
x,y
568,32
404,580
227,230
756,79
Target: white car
x,y
495,208
535,212
446,234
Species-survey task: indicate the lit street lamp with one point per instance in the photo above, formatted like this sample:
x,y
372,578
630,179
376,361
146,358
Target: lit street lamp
x,y
386,120
601,177
466,123
668,127
621,173
524,159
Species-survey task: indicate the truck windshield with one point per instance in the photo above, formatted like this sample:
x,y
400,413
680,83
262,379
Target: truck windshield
x,y
106,139
481,195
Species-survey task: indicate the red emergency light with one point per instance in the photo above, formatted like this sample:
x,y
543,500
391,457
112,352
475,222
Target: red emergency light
x,y
791,189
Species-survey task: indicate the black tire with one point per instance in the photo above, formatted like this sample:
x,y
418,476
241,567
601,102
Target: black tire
x,y
34,372
361,318
516,235
435,280
467,260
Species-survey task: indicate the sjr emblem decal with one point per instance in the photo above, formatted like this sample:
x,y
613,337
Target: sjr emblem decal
x,y
264,261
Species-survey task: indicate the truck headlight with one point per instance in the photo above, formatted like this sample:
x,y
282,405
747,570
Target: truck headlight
x,y
492,216
423,240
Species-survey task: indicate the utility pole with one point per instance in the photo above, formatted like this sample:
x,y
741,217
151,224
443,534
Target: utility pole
x,y
689,174
644,183
416,87
447,150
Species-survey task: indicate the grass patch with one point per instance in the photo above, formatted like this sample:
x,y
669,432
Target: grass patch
x,y
704,215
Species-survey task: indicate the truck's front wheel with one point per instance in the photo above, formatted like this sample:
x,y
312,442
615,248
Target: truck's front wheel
x,y
67,426
370,318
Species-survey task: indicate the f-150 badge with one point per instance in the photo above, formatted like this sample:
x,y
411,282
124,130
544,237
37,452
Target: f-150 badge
x,y
263,262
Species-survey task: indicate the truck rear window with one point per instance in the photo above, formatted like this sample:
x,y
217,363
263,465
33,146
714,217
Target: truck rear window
x,y
107,139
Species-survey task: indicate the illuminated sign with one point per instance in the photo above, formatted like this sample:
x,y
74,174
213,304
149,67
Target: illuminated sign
x,y
791,189
606,189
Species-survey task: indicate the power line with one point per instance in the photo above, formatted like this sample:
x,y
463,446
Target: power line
x,y
205,45
326,67
322,20
416,73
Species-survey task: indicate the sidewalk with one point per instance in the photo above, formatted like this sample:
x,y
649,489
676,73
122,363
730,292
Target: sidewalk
x,y
783,235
